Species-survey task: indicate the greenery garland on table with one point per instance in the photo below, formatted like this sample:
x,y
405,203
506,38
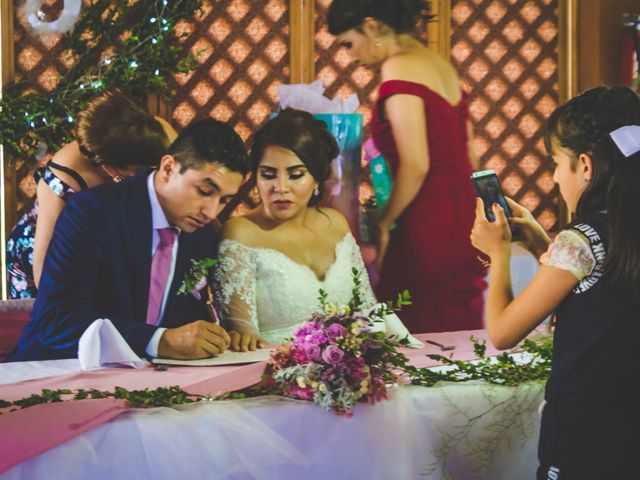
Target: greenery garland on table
x,y
504,369
114,44
343,348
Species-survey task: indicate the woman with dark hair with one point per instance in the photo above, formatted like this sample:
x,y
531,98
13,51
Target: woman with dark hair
x,y
274,260
420,125
116,138
590,277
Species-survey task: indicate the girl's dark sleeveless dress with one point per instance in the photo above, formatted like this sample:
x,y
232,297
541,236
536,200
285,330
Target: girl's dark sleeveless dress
x,y
20,242
430,253
591,421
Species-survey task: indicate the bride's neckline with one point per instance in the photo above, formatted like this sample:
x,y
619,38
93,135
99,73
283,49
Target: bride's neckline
x,y
306,267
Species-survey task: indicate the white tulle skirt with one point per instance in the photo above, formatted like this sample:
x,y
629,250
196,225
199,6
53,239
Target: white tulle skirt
x,y
465,431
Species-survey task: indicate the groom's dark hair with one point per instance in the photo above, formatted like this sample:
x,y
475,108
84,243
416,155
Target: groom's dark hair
x,y
210,141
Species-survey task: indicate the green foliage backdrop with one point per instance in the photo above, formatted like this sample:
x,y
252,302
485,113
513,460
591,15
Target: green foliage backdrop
x,y
115,44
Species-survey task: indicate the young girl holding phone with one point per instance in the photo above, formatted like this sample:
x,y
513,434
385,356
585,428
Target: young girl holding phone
x,y
590,278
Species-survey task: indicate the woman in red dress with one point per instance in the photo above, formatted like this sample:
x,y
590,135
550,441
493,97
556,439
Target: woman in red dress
x,y
421,127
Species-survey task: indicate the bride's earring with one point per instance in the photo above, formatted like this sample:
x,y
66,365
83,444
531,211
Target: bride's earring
x,y
316,191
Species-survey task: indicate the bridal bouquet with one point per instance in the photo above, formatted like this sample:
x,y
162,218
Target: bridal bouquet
x,y
342,356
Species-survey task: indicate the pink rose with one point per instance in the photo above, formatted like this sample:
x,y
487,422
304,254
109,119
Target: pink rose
x,y
298,356
306,329
336,330
332,354
312,352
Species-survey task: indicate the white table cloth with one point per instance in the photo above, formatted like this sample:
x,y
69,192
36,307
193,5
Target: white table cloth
x,y
461,431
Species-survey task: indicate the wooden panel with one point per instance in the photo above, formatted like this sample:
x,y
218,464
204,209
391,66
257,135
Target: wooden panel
x,y
8,182
439,30
506,54
567,73
301,14
599,40
243,49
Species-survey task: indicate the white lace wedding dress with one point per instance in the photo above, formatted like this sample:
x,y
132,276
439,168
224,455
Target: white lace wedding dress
x,y
264,290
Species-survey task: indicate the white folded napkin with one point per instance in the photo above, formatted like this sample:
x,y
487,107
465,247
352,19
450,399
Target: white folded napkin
x,y
394,326
101,345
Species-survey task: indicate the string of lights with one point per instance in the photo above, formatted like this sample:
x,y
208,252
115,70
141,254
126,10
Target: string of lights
x,y
114,44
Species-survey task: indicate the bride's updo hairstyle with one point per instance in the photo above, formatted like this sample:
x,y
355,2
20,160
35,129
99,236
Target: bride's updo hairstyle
x,y
305,136
401,16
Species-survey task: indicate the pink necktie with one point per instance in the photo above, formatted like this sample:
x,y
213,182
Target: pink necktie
x,y
160,266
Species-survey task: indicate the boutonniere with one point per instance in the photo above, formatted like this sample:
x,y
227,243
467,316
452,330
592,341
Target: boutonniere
x,y
196,278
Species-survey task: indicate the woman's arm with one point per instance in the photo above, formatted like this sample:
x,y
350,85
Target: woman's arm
x,y
509,320
409,126
50,204
235,288
471,149
49,208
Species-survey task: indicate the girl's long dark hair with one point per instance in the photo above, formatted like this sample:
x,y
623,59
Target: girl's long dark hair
x,y
583,125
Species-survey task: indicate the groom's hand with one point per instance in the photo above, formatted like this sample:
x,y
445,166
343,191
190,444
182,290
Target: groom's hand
x,y
199,339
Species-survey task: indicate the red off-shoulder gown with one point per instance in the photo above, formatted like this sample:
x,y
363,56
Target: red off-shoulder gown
x,y
430,253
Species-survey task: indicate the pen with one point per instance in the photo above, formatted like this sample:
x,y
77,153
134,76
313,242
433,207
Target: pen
x,y
213,314
442,347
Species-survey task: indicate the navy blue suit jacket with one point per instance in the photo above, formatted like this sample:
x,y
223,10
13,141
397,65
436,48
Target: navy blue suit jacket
x,y
98,266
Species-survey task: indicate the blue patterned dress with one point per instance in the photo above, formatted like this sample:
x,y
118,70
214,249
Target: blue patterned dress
x,y
20,243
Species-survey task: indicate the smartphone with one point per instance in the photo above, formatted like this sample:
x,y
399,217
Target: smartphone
x,y
488,189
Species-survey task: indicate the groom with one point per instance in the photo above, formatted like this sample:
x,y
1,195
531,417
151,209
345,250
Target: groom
x,y
121,251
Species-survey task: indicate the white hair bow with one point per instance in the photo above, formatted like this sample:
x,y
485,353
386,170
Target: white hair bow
x,y
627,139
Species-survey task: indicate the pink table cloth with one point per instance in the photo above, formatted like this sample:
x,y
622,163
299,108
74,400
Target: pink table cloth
x,y
27,433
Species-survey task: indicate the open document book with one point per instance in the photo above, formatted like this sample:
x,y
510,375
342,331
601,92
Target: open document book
x,y
227,358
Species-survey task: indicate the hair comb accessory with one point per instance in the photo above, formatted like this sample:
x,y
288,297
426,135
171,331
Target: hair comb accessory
x,y
627,139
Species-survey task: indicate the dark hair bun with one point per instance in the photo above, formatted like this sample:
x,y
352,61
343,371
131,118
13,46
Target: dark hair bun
x,y
400,15
304,135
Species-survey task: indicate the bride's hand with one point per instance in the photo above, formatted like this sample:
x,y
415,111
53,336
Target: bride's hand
x,y
245,341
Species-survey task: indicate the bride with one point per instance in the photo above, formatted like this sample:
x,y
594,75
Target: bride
x,y
273,261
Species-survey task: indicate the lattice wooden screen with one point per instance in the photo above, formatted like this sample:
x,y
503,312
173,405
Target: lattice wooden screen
x,y
341,76
39,58
243,50
244,56
334,67
506,53
504,50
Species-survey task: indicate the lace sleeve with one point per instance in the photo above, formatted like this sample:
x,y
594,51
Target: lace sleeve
x,y
570,251
235,286
368,297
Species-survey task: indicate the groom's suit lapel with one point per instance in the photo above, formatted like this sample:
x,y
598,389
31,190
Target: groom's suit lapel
x,y
139,223
183,261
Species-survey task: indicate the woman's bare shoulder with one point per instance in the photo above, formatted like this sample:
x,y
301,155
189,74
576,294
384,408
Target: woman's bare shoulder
x,y
333,220
69,156
426,67
242,229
